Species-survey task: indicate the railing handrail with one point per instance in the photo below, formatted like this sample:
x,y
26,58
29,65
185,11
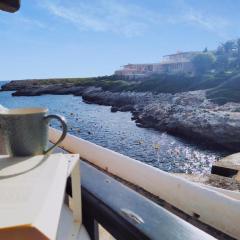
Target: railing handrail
x,y
126,214
193,199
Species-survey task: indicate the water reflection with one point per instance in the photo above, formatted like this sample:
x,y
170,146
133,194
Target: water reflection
x,y
117,132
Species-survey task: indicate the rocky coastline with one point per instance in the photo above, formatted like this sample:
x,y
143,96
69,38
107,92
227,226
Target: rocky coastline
x,y
188,114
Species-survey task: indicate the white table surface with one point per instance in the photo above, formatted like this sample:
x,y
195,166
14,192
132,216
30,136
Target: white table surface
x,y
32,191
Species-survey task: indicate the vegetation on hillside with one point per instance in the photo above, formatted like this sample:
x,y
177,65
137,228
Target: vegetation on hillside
x,y
203,62
217,71
228,91
221,87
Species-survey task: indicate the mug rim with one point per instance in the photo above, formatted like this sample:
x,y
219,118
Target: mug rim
x,y
24,111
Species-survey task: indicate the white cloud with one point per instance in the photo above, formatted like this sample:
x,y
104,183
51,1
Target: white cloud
x,y
29,22
19,20
211,23
105,16
124,18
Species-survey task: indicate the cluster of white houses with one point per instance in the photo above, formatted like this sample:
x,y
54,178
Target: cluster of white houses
x,y
173,63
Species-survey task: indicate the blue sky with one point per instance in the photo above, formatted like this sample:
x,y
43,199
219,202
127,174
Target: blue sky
x,y
79,38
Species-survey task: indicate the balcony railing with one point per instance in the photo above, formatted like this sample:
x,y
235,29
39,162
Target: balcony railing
x,y
126,214
121,210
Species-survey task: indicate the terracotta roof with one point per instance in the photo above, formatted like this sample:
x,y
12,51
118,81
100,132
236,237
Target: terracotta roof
x,y
179,53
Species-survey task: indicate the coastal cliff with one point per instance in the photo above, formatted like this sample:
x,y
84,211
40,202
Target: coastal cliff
x,y
189,114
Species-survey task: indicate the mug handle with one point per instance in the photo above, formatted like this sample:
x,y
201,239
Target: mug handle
x,y
63,122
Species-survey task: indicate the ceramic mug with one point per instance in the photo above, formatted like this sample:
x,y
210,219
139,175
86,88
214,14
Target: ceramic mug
x,y
25,131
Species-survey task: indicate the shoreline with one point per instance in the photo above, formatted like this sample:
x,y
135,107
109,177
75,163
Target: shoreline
x,y
189,115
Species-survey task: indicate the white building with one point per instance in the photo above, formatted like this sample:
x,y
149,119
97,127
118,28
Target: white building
x,y
173,63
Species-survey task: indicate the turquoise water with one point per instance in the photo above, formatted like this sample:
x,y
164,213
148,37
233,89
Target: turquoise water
x,y
117,132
